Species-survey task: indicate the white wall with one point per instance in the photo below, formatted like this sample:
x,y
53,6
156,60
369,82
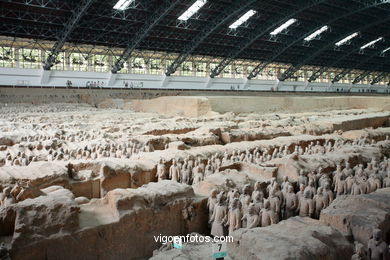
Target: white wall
x,y
33,77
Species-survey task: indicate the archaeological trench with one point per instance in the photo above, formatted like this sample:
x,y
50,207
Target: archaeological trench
x,y
287,176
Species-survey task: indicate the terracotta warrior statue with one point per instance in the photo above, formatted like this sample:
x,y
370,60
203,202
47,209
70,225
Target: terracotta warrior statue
x,y
161,171
185,174
234,216
377,248
306,205
319,202
219,217
360,254
290,202
267,215
245,200
211,202
174,172
251,217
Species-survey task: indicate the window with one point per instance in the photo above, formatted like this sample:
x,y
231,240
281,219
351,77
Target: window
x,y
138,66
100,63
186,69
7,57
30,58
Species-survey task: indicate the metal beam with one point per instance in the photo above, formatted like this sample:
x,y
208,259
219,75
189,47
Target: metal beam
x,y
364,74
360,77
344,72
329,43
263,29
378,78
158,14
69,28
226,14
296,39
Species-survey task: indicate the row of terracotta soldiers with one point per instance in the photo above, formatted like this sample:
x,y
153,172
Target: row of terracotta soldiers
x,y
40,153
262,207
192,171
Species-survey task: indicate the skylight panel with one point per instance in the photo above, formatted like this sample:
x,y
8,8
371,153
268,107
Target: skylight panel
x,y
316,33
122,4
385,50
192,10
371,43
346,39
283,26
242,19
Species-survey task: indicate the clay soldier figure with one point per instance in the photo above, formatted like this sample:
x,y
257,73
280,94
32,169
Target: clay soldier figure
x,y
271,186
300,192
258,202
374,182
364,185
197,174
211,202
349,180
257,191
252,218
185,174
347,170
278,192
341,186
356,188
245,200
4,255
232,194
217,162
386,181
225,159
219,216
360,254
234,216
329,196
248,157
208,169
319,202
377,248
311,188
190,162
201,165
306,205
7,199
267,215
161,171
337,174
275,204
369,170
285,184
302,179
174,172
290,202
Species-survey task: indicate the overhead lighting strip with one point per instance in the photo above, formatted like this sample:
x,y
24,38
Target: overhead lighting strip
x,y
346,39
371,43
283,26
242,19
122,4
316,33
192,10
